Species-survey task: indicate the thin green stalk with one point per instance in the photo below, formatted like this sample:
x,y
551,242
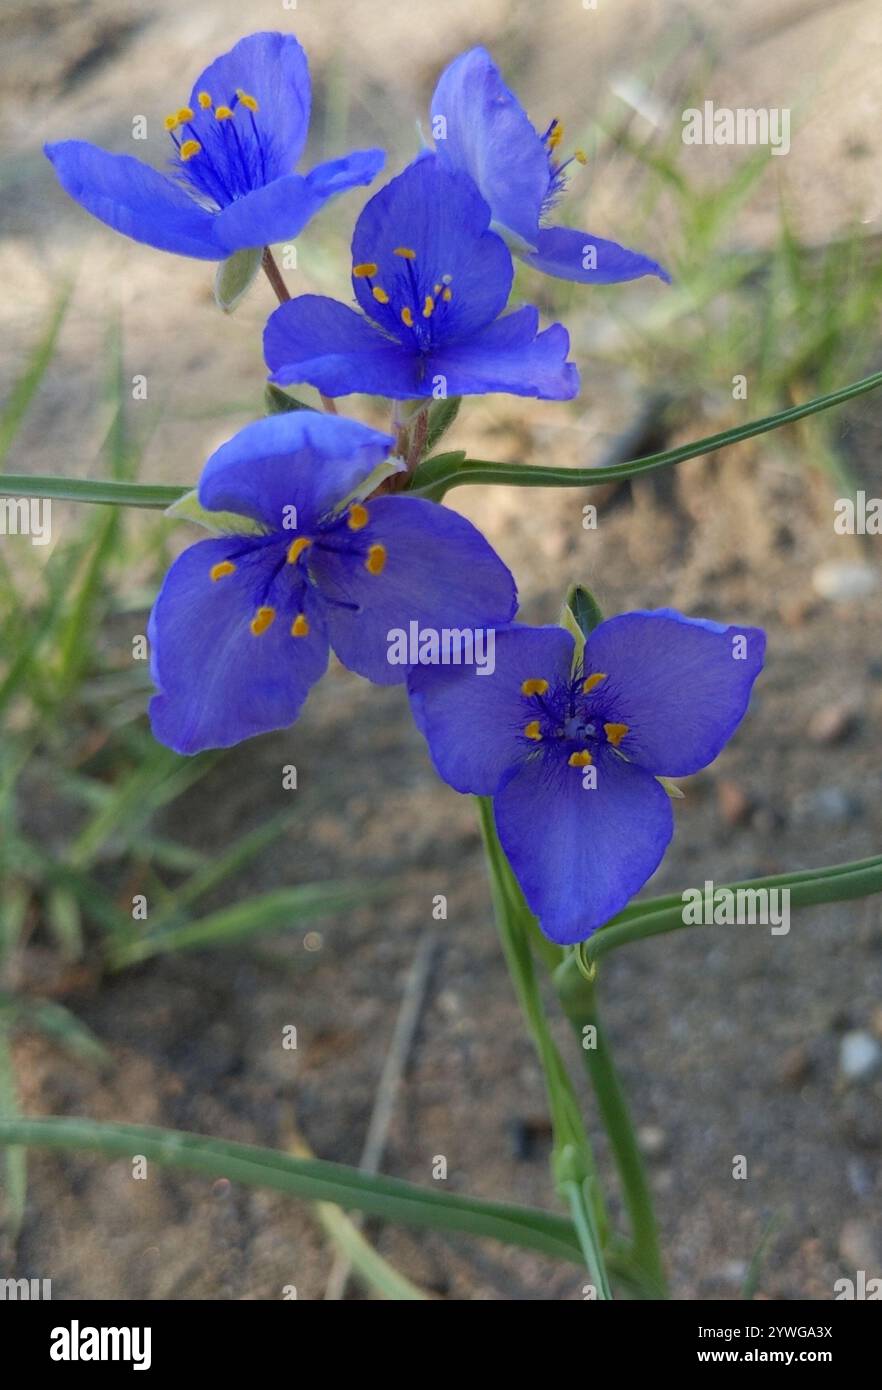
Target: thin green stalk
x,y
583,1220
578,998
573,1160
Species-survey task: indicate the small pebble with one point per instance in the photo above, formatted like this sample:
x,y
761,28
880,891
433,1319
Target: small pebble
x,y
734,803
860,1056
832,723
841,581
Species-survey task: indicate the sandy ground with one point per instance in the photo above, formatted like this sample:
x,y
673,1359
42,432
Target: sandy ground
x,y
729,1040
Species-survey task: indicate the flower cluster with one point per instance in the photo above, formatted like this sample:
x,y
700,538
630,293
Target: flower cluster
x,y
318,544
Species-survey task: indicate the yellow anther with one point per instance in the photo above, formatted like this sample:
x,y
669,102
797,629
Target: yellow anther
x,y
555,135
171,123
296,549
534,686
438,288
533,731
592,682
300,626
189,148
615,733
447,295
185,114
223,113
365,270
407,316
358,517
221,570
376,559
581,156
580,759
428,307
380,294
247,100
262,620
405,253
204,100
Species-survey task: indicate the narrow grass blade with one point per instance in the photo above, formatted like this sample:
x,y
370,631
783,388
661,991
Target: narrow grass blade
x,y
313,1179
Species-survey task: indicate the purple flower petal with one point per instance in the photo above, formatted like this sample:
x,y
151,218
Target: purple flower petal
x,y
681,685
302,459
474,724
271,68
509,355
441,221
579,853
134,199
572,255
437,571
218,682
488,134
317,340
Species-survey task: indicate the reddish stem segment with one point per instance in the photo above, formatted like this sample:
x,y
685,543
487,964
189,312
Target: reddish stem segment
x,y
280,289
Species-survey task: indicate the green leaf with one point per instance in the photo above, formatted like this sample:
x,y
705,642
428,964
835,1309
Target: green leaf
x,y
278,402
441,416
437,475
451,470
808,887
105,492
435,471
392,1199
189,508
235,276
15,1169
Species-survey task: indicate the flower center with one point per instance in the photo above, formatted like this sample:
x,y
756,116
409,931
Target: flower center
x,y
274,571
573,718
221,150
411,299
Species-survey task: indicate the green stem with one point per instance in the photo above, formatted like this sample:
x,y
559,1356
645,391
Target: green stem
x,y
583,1220
578,998
573,1160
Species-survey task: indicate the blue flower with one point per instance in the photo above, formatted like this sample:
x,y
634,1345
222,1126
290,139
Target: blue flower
x,y
480,127
242,626
432,281
572,758
236,143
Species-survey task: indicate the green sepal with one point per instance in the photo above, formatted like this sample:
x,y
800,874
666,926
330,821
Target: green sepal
x,y
235,276
189,508
441,416
278,402
580,615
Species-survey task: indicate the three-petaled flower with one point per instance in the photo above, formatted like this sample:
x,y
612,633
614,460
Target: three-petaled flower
x,y
480,127
236,144
432,280
242,626
572,757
